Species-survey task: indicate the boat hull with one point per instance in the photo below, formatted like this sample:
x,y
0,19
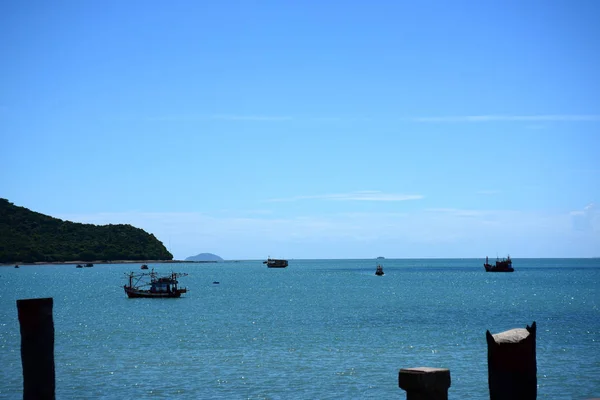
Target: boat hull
x,y
133,293
490,268
273,263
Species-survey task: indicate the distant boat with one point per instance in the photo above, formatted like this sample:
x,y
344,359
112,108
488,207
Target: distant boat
x,y
144,266
276,263
379,270
17,266
88,265
151,285
79,266
503,265
381,258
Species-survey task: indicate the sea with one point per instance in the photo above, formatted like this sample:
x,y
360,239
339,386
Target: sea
x,y
318,329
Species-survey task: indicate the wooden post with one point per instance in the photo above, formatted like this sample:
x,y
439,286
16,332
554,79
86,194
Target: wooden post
x,y
512,368
37,348
424,383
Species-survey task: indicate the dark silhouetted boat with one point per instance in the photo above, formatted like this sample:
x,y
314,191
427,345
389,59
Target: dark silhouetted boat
x,y
144,266
276,263
379,270
153,285
503,265
88,265
79,266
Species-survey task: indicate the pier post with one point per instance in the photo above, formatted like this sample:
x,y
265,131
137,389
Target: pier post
x,y
37,348
425,383
512,368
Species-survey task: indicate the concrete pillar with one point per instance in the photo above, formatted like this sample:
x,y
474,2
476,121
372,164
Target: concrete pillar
x,y
424,383
512,368
37,348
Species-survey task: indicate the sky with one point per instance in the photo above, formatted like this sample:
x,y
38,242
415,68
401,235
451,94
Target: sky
x,y
309,129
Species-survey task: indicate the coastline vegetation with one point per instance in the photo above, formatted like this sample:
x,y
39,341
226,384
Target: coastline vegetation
x,y
27,237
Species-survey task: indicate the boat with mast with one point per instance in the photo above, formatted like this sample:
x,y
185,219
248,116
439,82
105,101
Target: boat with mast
x,y
502,265
276,263
153,285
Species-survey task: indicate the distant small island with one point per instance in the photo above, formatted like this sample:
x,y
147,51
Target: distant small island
x,y
205,257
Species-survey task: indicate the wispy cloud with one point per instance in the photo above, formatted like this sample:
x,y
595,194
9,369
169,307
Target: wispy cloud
x,y
355,196
510,118
586,210
587,219
440,232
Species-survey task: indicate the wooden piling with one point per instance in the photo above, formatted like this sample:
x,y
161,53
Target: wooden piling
x,y
425,383
37,348
512,367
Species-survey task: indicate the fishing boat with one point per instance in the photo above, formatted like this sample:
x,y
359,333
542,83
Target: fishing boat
x,y
276,263
503,265
153,285
379,270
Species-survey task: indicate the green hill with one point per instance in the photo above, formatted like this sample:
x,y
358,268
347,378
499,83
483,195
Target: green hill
x,y
28,236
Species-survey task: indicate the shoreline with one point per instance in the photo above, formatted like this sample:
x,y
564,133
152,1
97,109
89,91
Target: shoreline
x,y
99,262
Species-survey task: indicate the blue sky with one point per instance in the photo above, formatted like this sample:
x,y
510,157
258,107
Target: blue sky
x,y
309,129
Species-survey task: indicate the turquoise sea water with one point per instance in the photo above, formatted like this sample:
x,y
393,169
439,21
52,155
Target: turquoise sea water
x,y
319,329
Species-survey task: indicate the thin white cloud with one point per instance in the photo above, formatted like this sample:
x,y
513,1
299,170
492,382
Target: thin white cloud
x,y
587,219
589,209
355,196
510,118
439,232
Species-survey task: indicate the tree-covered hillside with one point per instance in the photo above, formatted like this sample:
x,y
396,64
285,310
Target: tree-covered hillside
x,y
27,236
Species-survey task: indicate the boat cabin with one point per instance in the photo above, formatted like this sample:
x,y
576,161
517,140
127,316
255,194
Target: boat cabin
x,y
163,285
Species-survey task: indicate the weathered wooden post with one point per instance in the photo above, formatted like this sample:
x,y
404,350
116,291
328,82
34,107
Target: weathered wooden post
x,y
425,383
512,368
37,348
